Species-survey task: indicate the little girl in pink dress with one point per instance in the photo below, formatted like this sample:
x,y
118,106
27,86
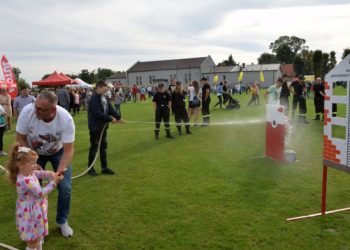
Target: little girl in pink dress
x,y
31,205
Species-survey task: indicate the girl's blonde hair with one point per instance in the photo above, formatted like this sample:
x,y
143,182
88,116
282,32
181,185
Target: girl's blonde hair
x,y
18,155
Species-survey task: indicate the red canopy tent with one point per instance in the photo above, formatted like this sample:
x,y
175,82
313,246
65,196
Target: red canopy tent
x,y
55,79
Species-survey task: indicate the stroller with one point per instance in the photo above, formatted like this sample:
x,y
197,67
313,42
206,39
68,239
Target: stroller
x,y
232,103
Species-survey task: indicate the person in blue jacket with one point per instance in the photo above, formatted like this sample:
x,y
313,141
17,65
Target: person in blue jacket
x,y
100,113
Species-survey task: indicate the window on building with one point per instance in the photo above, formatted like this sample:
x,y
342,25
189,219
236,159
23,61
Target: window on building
x,y
189,77
185,77
140,80
224,77
150,79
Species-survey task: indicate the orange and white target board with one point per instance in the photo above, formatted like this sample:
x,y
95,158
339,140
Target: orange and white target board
x,y
275,132
336,151
336,137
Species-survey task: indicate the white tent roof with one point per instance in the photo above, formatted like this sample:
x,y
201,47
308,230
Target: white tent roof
x,y
80,84
341,72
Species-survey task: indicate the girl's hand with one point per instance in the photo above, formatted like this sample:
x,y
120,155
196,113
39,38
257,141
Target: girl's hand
x,y
52,173
57,178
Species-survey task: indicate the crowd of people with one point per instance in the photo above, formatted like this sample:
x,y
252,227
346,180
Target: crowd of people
x,y
280,92
45,132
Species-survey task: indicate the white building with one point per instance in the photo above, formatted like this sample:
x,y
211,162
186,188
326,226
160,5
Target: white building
x,y
251,73
120,76
184,70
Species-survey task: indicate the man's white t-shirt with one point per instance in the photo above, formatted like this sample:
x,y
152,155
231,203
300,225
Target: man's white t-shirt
x,y
46,138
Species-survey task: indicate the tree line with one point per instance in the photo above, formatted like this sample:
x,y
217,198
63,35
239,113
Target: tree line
x,y
293,50
286,49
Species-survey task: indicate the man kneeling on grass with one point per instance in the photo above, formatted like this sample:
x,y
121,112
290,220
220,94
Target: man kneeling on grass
x,y
100,113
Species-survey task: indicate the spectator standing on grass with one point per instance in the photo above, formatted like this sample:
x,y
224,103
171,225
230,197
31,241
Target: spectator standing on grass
x,y
71,101
178,97
225,91
143,94
194,102
205,101
63,98
298,89
319,98
149,91
257,87
100,113
284,97
119,99
3,115
219,91
272,94
22,100
253,92
134,92
172,86
77,101
5,101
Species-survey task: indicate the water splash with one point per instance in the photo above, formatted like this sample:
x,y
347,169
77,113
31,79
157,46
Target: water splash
x,y
218,123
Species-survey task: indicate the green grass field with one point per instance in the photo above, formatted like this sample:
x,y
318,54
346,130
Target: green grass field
x,y
209,190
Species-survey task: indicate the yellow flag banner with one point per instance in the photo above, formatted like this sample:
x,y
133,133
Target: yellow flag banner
x,y
262,78
240,76
216,78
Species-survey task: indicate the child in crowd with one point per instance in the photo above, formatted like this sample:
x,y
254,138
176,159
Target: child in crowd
x,y
119,99
31,205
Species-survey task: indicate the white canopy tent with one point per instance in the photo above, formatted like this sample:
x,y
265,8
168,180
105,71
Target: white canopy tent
x,y
80,84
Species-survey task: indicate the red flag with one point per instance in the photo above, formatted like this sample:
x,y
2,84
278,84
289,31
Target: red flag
x,y
10,78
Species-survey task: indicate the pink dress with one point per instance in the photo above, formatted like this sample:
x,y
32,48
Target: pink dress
x,y
31,205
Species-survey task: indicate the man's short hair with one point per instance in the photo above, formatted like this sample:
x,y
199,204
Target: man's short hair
x,y
24,87
101,84
204,79
48,95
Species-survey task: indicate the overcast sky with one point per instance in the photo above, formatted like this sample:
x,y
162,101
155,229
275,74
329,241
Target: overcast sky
x,y
41,36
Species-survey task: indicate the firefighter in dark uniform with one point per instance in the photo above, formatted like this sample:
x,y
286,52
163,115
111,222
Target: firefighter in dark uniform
x,y
178,97
205,101
161,104
319,98
298,89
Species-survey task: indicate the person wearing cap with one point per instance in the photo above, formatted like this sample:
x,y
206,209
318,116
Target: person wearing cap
x,y
205,101
178,97
298,89
5,101
162,103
